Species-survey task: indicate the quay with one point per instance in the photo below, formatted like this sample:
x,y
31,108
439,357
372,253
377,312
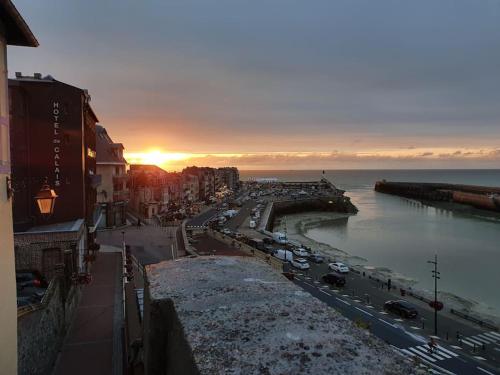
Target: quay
x,y
481,197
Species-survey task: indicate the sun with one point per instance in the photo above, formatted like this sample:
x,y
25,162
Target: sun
x,y
156,157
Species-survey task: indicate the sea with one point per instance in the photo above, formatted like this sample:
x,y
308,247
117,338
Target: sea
x,y
398,236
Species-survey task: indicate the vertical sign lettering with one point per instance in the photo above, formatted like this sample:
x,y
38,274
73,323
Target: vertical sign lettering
x,y
56,143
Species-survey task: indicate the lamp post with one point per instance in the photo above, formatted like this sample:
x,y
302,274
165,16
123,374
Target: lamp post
x,y
46,199
435,275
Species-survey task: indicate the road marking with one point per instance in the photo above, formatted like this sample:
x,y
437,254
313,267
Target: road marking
x,y
491,334
474,341
495,334
305,282
456,347
328,294
399,320
345,295
416,328
341,300
464,341
363,311
383,313
485,371
335,290
482,339
422,355
478,357
370,306
443,349
390,324
357,300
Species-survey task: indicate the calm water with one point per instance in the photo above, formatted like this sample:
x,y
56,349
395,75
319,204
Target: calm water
x,y
402,235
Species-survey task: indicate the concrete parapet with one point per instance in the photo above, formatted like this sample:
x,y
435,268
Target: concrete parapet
x,y
213,315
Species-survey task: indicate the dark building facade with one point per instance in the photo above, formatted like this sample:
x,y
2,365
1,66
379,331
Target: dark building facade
x,y
53,140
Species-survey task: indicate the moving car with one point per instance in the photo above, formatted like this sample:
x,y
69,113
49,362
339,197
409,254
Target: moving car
x,y
402,308
300,252
300,263
339,267
334,279
316,258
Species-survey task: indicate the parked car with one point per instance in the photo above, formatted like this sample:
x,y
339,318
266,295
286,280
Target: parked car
x,y
402,308
339,267
334,279
316,258
280,238
30,278
269,249
268,241
226,231
252,224
300,252
300,263
283,254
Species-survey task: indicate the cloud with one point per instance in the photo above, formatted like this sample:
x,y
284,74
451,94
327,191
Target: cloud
x,y
340,160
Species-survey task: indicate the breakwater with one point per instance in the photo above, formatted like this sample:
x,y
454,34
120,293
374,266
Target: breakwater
x,y
334,203
481,197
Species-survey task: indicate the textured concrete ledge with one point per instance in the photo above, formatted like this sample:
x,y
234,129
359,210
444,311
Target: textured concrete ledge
x,y
214,315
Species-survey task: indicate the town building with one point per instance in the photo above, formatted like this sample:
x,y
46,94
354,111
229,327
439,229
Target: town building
x,y
53,146
113,192
230,177
150,193
206,181
13,31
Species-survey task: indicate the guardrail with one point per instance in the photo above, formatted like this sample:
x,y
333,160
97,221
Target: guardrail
x,y
413,294
273,262
475,320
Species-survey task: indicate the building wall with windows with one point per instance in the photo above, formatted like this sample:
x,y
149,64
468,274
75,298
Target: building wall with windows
x,y
52,141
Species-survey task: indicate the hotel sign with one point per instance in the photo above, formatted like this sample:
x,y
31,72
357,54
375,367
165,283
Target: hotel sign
x,y
56,142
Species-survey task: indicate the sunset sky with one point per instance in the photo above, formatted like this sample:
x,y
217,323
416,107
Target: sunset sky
x,y
281,84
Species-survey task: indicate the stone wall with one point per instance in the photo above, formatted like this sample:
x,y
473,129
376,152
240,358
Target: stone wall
x,y
329,204
41,331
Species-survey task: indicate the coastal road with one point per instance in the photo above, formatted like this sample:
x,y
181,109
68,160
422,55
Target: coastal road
x,y
481,344
203,218
407,340
246,210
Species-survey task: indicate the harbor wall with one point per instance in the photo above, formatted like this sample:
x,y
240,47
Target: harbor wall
x,y
482,197
335,203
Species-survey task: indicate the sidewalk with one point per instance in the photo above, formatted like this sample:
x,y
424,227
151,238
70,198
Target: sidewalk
x,y
94,342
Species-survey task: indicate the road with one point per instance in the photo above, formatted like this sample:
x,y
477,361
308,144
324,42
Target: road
x,y
202,219
246,210
403,335
148,243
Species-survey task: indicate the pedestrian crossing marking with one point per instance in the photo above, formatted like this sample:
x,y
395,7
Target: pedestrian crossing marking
x,y
440,354
456,347
478,357
399,320
413,327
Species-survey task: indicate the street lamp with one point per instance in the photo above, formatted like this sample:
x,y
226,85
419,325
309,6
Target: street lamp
x,y
435,275
46,199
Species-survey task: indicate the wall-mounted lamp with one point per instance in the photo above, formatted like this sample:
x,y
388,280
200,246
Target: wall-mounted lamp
x,y
8,187
46,199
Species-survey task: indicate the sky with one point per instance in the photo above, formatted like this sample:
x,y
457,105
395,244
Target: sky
x,y
281,84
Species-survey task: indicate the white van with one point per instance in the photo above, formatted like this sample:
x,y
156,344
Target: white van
x,y
283,254
252,224
280,238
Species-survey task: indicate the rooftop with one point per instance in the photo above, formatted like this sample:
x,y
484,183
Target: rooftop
x,y
239,316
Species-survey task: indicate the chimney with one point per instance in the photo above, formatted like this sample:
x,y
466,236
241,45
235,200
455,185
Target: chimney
x,y
19,75
37,75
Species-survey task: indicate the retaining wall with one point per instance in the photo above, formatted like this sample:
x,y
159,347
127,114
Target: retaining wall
x,y
42,329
